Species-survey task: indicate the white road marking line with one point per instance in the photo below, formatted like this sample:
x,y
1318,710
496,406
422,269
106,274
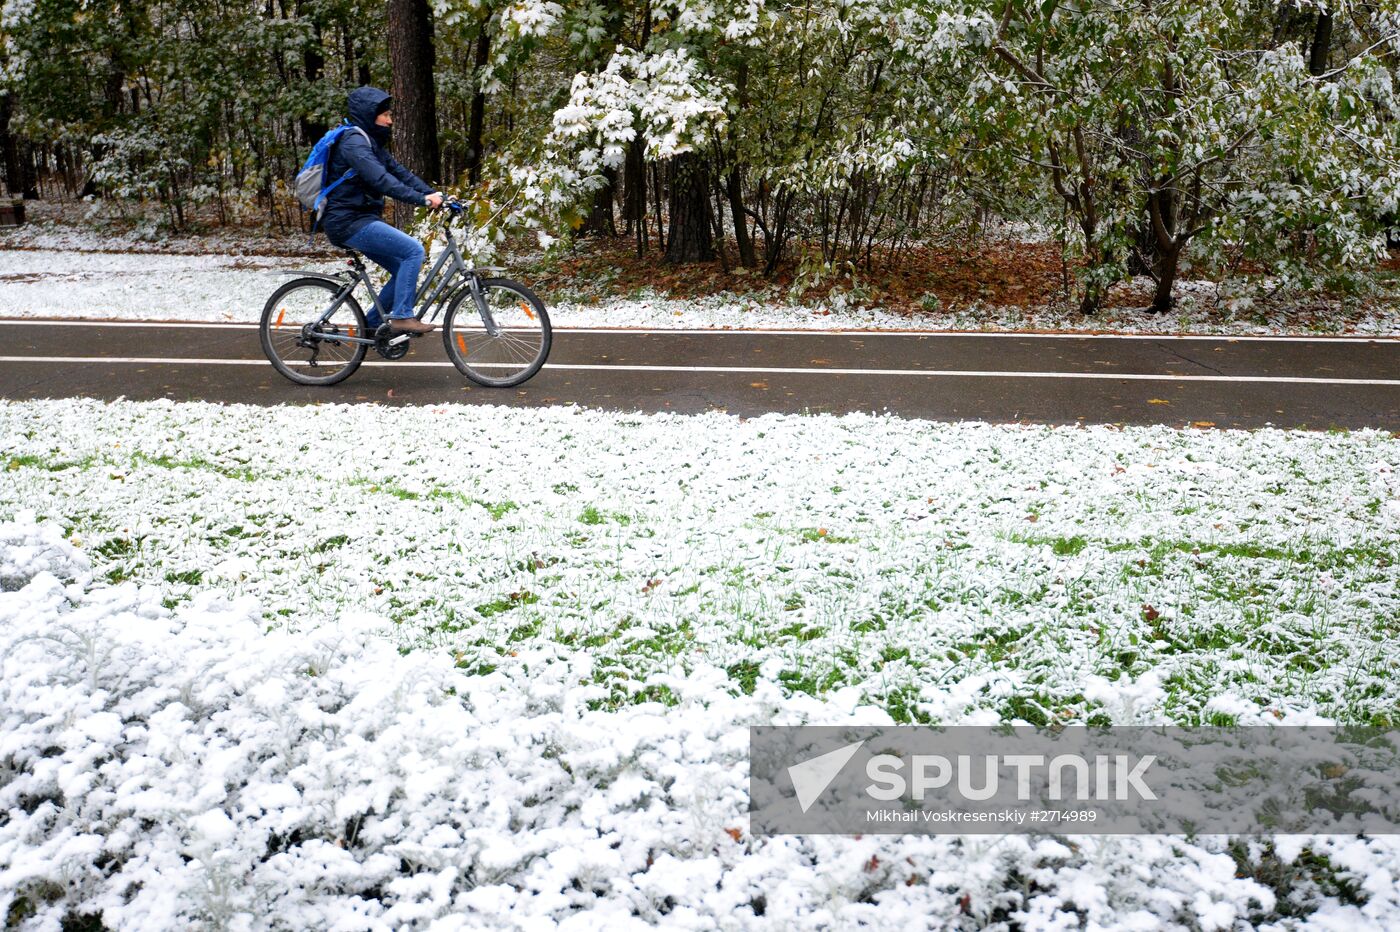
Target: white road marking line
x,y
752,370
998,334
174,324
716,331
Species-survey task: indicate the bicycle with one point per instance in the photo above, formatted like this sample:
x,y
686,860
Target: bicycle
x,y
496,331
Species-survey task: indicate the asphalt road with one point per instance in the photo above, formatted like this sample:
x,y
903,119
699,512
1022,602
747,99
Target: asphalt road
x,y
1317,383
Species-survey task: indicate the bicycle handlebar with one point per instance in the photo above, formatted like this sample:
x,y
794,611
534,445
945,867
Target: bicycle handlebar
x,y
450,208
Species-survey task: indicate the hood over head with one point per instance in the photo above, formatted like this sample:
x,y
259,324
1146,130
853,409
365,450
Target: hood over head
x,y
363,105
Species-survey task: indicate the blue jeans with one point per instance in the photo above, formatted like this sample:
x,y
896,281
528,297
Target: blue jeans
x,y
401,256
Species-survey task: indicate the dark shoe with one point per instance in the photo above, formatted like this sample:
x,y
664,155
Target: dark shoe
x,y
410,325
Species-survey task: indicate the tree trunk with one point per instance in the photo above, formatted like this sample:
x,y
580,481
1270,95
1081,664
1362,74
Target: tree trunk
x,y
415,102
599,221
64,172
1143,257
1321,44
476,131
1162,212
733,181
634,195
691,238
348,51
1094,290
9,151
742,241
716,213
28,174
634,172
1167,263
356,62
1146,256
656,202
313,64
1092,301
776,240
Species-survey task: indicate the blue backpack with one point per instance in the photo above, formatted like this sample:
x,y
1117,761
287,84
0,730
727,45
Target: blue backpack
x,y
310,183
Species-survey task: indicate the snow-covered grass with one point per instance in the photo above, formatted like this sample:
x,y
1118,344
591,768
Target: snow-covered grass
x,y
50,270
479,667
141,286
193,769
939,570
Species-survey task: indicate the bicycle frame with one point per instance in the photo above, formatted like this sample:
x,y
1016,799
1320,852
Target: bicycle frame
x,y
437,288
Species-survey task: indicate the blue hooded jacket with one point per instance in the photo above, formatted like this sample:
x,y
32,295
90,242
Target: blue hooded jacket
x,y
360,199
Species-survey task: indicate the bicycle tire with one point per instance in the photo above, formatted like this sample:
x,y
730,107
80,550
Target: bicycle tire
x,y
285,341
499,361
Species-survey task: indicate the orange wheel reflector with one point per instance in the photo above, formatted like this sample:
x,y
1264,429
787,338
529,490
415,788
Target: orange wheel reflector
x,y
461,344
526,308
281,312
350,330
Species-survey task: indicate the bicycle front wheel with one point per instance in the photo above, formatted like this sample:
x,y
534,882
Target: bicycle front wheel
x,y
502,345
300,345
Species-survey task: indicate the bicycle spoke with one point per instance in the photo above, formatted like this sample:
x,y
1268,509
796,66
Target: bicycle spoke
x,y
294,334
518,347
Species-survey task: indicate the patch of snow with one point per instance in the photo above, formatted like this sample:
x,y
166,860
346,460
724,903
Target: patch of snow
x,y
29,549
392,791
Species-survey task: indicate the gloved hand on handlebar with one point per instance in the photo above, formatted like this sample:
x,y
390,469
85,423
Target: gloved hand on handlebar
x,y
438,201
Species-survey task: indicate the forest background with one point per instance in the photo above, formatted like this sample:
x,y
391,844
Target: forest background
x,y
801,142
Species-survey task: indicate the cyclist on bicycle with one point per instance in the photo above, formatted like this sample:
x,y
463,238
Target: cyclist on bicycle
x,y
353,211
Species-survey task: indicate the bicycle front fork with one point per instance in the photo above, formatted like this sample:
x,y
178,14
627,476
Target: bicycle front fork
x,y
482,308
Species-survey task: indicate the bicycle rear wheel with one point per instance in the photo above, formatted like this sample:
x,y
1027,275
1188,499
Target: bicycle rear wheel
x,y
515,344
303,348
